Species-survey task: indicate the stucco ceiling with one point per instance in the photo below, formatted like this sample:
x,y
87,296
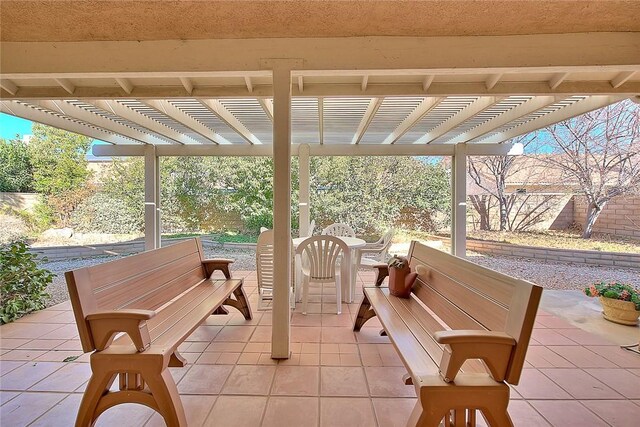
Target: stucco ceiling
x,y
167,20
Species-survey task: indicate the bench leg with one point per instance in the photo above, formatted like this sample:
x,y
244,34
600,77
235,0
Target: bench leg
x,y
423,417
365,312
497,416
98,385
165,393
240,302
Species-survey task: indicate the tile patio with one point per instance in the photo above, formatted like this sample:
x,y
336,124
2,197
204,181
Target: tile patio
x,y
335,377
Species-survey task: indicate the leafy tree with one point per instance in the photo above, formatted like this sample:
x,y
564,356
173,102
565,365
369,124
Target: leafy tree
x,y
16,172
372,193
59,159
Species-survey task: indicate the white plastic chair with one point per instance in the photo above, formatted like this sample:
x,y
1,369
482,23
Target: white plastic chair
x,y
339,229
319,261
312,225
376,253
264,267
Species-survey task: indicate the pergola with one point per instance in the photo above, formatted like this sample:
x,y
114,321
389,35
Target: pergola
x,y
325,90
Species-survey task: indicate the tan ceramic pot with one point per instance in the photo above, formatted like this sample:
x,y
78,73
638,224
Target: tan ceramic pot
x,y
618,311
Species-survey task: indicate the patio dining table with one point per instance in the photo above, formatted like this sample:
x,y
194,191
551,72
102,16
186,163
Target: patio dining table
x,y
348,285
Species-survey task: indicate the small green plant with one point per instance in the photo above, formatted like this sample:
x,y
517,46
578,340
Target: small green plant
x,y
614,290
22,283
398,261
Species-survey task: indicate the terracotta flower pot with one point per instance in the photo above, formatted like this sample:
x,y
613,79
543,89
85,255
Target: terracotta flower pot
x,y
400,282
618,311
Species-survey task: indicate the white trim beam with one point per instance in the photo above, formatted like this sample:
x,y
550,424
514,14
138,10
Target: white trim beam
x,y
414,117
528,107
483,149
140,119
151,199
9,86
66,85
267,106
226,116
622,78
281,312
557,80
78,113
565,113
459,201
321,120
567,88
125,84
371,111
170,110
30,113
426,83
492,81
300,84
187,84
248,83
427,55
363,84
304,200
453,122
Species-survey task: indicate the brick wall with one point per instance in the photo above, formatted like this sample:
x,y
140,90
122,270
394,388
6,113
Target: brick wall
x,y
620,217
552,254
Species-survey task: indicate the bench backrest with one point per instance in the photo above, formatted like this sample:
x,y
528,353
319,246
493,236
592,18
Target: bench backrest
x,y
468,296
144,281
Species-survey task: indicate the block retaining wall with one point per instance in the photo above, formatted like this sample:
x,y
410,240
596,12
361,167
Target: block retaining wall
x,y
617,259
59,253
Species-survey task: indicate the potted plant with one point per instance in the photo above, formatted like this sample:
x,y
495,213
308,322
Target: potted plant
x,y
620,302
401,278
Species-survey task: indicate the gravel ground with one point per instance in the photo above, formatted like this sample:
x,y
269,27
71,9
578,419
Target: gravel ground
x,y
562,276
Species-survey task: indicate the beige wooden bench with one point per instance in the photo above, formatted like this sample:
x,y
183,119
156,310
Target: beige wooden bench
x,y
157,298
459,313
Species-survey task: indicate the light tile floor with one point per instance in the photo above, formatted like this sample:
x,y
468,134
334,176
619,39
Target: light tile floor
x,y
335,377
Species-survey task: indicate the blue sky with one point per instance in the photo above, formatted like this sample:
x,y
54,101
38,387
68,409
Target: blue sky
x,y
11,125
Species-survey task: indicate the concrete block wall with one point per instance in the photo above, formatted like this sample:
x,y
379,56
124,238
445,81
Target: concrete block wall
x,y
598,258
19,201
59,253
564,219
620,217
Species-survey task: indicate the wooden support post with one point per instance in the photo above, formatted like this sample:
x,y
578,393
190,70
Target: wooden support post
x,y
304,205
151,198
459,201
281,312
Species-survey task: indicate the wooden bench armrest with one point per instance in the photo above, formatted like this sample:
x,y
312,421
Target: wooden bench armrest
x,y
214,264
492,347
106,324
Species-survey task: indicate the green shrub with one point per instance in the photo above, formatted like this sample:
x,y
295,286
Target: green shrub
x,y
106,213
22,283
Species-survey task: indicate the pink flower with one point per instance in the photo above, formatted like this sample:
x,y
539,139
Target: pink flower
x,y
625,295
593,291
